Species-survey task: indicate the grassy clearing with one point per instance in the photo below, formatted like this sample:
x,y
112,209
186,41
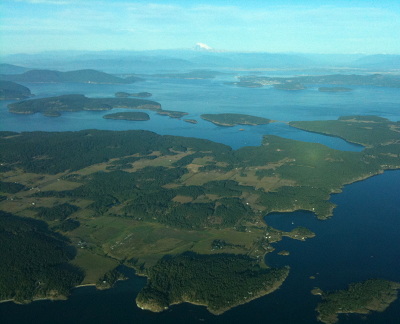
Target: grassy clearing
x,y
122,238
94,265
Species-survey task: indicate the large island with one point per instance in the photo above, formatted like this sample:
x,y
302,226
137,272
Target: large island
x,y
146,200
53,106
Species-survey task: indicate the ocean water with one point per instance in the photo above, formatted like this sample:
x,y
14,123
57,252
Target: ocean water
x,y
359,242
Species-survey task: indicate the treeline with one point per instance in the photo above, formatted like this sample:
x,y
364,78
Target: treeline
x,y
219,281
34,261
58,212
11,187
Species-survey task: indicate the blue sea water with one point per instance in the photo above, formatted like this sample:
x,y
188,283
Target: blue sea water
x,y
359,242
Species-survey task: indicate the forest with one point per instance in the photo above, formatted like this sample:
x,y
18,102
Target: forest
x,y
219,282
34,261
362,298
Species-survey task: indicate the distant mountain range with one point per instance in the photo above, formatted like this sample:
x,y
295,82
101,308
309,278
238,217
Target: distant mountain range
x,y
201,57
79,76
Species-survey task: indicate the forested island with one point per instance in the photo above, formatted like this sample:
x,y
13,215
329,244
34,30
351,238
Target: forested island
x,y
172,113
234,119
34,261
135,116
361,298
53,106
13,91
134,197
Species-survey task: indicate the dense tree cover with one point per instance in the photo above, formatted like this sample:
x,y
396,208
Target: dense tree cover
x,y
218,281
128,116
67,225
10,90
41,152
34,261
11,187
362,297
109,279
78,102
79,76
235,119
58,212
172,113
366,130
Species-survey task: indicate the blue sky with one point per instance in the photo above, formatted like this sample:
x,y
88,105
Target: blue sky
x,y
29,26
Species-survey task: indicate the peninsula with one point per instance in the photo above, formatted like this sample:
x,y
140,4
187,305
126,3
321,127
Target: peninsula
x,y
13,91
187,278
361,298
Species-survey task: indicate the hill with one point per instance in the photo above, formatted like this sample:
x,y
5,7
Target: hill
x,y
79,76
11,90
52,106
12,69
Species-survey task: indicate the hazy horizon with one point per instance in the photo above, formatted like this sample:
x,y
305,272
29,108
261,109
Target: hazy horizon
x,y
295,27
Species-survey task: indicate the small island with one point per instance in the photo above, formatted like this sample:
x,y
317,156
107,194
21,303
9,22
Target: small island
x,y
137,94
172,113
361,298
230,120
135,116
283,252
191,121
234,280
334,89
292,86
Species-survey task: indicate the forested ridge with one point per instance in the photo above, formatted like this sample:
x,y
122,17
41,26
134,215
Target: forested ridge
x,y
34,261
